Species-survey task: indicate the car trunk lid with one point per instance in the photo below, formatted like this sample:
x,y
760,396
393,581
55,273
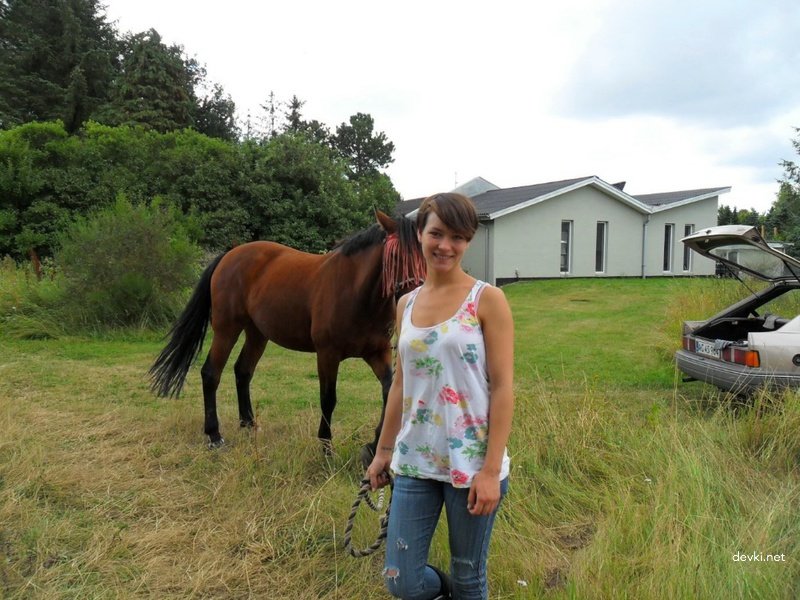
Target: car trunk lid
x,y
744,249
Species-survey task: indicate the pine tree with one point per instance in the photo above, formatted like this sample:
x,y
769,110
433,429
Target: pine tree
x,y
57,60
156,87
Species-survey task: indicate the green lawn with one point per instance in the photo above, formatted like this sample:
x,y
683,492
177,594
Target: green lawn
x,y
626,482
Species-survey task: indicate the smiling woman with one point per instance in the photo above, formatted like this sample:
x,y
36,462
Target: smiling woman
x,y
436,438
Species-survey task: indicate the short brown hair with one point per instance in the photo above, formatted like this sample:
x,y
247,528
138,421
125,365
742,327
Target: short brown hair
x,y
455,210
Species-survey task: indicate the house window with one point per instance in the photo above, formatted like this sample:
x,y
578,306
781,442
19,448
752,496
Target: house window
x,y
566,245
669,229
601,244
687,253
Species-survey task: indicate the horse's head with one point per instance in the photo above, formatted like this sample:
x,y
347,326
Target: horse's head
x,y
403,263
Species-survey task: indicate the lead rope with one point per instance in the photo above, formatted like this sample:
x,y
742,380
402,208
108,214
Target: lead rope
x,y
363,494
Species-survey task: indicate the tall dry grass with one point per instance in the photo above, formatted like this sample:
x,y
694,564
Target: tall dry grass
x,y
624,484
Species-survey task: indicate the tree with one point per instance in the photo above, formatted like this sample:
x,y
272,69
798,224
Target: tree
x,y
29,215
725,215
784,214
791,169
269,121
48,178
156,86
280,117
366,152
295,123
215,115
294,118
57,61
749,217
297,193
783,218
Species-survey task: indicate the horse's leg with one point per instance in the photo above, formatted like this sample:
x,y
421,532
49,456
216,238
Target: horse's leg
x,y
221,347
381,364
328,371
244,368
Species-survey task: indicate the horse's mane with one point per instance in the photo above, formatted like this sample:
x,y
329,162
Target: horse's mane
x,y
362,240
375,234
402,258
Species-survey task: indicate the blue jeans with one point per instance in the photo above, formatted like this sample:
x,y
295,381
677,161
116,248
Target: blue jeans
x,y
416,506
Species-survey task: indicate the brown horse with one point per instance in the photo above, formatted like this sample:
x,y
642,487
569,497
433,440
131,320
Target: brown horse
x,y
339,305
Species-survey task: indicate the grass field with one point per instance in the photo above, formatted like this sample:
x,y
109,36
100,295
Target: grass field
x,y
626,482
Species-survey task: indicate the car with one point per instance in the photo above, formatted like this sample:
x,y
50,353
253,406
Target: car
x,y
755,343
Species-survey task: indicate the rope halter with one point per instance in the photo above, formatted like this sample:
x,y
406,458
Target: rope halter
x,y
363,494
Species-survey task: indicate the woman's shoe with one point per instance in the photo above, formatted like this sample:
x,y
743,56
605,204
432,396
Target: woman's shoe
x,y
445,593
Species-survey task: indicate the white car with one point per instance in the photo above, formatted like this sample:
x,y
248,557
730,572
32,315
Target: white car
x,y
756,342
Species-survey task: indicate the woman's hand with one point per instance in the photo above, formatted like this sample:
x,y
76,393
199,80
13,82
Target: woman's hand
x,y
378,471
484,494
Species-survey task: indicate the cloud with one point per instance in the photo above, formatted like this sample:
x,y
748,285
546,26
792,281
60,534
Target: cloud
x,y
717,62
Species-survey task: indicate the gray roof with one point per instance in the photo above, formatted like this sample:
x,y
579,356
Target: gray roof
x,y
407,206
673,197
496,200
475,186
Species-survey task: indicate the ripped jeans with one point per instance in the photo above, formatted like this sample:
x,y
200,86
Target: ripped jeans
x,y
416,506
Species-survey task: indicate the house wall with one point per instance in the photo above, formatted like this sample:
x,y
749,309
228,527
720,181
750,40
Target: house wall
x,y
527,243
477,257
698,214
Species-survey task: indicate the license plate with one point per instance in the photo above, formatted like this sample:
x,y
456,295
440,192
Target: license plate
x,y
706,348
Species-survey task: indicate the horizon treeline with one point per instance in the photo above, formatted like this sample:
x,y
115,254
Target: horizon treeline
x,y
88,115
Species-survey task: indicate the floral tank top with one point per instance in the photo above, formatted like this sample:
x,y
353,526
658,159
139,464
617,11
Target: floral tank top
x,y
444,431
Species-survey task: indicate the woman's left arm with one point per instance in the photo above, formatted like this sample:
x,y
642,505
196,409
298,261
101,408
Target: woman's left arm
x,y
497,325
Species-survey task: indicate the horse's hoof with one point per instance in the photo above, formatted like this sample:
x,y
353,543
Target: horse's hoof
x,y
216,445
248,424
366,455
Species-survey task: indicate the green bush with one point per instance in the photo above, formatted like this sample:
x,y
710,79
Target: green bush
x,y
126,265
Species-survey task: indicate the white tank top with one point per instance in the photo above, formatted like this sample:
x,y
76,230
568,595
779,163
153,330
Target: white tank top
x,y
444,430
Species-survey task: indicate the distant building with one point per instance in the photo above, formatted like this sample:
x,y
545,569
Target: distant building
x,y
583,227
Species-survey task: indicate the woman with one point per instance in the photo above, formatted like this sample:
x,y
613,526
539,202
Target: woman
x,y
454,367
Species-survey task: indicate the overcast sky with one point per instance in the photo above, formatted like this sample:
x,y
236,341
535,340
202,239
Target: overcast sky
x,y
664,94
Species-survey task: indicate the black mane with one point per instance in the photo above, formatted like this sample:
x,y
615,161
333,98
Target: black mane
x,y
362,240
375,234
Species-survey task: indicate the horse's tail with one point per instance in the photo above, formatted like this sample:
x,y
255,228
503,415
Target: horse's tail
x,y
185,339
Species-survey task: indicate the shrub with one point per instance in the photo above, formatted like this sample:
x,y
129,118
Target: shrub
x,y
126,265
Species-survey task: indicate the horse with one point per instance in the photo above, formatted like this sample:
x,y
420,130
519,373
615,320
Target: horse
x,y
340,305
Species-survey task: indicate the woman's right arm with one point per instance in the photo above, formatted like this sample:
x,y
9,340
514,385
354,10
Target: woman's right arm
x,y
392,416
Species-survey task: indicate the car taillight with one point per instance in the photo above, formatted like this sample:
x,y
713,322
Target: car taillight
x,y
741,356
688,343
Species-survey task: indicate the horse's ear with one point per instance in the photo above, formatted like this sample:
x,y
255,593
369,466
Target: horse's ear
x,y
388,223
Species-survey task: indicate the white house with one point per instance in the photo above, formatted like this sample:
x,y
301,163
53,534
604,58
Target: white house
x,y
583,227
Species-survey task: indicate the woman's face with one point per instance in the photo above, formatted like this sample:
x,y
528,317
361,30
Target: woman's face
x,y
442,248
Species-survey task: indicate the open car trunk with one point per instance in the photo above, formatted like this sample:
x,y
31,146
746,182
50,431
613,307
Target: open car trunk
x,y
742,250
755,342
736,330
